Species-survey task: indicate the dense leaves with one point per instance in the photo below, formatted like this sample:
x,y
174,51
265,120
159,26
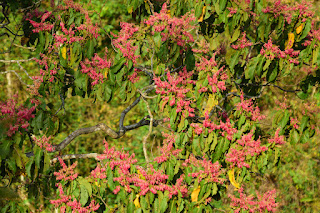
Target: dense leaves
x,y
231,86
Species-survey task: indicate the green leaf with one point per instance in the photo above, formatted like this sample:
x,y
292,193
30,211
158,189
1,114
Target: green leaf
x,y
306,30
190,60
84,196
37,156
5,148
110,178
29,166
304,123
86,184
157,39
302,95
90,49
223,4
250,69
12,165
235,35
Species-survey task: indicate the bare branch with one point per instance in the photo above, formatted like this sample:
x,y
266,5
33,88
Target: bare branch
x,y
74,156
9,71
144,142
16,61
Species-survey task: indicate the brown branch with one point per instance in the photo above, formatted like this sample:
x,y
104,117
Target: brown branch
x,y
87,130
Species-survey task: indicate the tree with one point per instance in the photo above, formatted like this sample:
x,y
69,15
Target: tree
x,y
215,79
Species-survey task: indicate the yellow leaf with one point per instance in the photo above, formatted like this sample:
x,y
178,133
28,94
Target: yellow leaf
x,y
212,102
64,52
299,29
232,179
195,194
169,13
290,41
130,9
106,73
136,202
202,14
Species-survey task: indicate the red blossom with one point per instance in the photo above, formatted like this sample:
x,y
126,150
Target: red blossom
x,y
17,116
67,172
245,146
244,202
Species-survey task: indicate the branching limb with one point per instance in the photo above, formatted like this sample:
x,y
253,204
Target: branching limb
x,y
8,71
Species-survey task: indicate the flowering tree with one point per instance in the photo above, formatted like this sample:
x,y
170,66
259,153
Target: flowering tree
x,y
201,75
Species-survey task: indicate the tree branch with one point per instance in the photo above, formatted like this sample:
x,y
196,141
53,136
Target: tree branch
x,y
74,156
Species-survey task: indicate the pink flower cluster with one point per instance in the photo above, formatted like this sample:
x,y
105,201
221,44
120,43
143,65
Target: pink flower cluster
x,y
167,149
44,61
13,117
302,10
232,11
134,76
43,25
75,205
87,26
247,106
66,173
175,87
147,180
277,139
263,203
294,122
271,51
226,129
245,146
94,67
68,37
216,78
243,42
43,142
124,42
172,28
205,169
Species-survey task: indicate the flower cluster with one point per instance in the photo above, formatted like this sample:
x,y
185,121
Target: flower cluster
x,y
87,26
245,146
175,87
216,77
206,169
281,8
74,205
247,106
67,172
13,117
263,203
44,62
277,139
271,51
125,43
43,25
243,42
167,149
172,28
94,67
226,128
43,142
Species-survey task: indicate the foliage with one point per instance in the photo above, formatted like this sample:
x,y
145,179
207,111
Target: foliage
x,y
216,80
